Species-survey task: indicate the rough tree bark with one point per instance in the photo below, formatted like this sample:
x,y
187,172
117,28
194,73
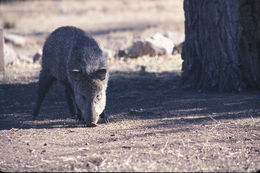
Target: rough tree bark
x,y
249,52
221,48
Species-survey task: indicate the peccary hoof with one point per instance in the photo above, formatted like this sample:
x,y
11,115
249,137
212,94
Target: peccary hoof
x,y
79,117
91,125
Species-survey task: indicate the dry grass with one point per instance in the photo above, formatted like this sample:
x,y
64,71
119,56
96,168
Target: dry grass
x,y
21,71
156,64
90,14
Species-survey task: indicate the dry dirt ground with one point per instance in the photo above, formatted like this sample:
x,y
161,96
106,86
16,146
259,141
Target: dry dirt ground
x,y
154,124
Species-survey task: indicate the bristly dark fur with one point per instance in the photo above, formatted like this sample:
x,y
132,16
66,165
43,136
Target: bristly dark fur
x,y
67,52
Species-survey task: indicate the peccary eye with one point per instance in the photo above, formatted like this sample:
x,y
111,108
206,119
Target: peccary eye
x,y
76,73
101,74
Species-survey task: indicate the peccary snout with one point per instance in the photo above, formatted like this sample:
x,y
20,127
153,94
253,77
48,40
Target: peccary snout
x,y
90,93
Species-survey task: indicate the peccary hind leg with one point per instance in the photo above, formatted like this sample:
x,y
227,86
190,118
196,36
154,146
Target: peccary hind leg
x,y
45,82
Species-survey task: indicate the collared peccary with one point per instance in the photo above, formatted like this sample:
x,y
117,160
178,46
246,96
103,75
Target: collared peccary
x,y
74,58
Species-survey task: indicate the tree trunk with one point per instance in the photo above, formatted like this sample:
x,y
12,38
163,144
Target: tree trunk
x,y
220,51
249,47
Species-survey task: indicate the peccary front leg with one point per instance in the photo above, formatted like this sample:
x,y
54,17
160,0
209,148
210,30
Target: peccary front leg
x,y
69,96
45,82
71,102
104,117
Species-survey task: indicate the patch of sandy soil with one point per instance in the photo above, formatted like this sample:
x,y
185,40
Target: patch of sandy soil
x,y
154,124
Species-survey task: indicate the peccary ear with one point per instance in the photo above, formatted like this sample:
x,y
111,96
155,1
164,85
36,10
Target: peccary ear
x,y
101,74
76,74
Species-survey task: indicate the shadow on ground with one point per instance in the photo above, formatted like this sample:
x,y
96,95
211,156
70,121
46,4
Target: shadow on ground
x,y
130,95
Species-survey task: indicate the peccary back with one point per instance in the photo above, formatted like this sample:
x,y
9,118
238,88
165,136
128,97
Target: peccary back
x,y
74,58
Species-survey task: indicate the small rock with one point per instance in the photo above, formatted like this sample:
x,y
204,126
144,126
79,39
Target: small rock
x,y
14,39
126,147
26,59
31,150
176,37
161,42
121,53
141,48
70,131
14,129
9,24
177,49
88,165
247,139
153,45
44,144
37,57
